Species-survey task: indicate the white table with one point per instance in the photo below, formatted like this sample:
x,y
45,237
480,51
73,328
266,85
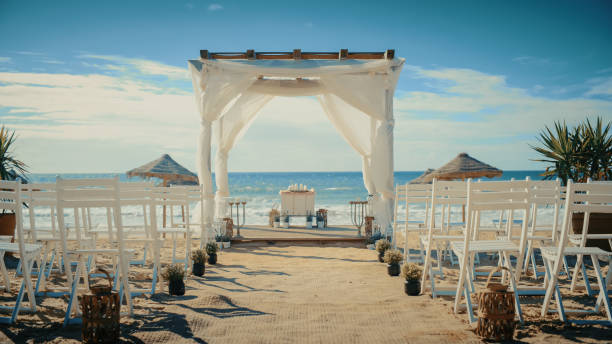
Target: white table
x,y
297,203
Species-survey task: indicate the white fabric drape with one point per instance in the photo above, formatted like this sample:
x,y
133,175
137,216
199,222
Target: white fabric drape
x,y
230,128
356,95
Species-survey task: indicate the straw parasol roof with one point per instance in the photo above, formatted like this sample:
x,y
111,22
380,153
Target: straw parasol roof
x,y
164,168
421,179
464,166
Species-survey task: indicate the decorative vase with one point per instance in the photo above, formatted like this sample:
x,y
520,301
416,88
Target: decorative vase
x,y
7,227
371,246
227,244
393,269
599,223
212,258
198,269
176,287
412,288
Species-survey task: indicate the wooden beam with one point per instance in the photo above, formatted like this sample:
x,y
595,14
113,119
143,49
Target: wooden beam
x,y
297,54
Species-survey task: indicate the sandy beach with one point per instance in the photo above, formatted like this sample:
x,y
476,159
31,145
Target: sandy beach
x,y
292,293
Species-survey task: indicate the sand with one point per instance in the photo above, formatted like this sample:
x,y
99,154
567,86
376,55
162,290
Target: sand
x,y
330,293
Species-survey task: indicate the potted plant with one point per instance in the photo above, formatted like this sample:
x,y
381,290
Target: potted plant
x,y
286,221
174,274
393,259
199,258
219,238
309,221
277,221
580,153
371,241
211,251
412,275
381,246
10,169
226,241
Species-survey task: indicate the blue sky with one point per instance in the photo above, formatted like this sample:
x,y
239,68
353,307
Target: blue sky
x,y
103,86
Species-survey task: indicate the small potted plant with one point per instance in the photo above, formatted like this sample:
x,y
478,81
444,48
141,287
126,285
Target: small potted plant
x,y
412,274
211,251
393,259
174,274
381,246
286,221
309,221
225,241
199,258
219,238
277,221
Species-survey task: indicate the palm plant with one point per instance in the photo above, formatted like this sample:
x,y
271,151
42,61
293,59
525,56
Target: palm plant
x,y
10,167
579,153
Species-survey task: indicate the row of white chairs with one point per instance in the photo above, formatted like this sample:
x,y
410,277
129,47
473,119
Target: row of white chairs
x,y
71,245
513,236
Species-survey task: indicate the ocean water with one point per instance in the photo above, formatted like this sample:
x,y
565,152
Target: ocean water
x,y
261,191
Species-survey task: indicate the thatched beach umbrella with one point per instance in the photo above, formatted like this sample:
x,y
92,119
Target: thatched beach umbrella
x,y
164,168
463,167
421,179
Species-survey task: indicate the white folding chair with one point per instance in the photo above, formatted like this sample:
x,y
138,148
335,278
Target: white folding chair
x,y
415,196
80,194
10,199
509,196
195,197
585,198
41,198
445,196
175,197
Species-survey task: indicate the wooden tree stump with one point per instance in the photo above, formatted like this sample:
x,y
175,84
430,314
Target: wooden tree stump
x,y
369,223
229,227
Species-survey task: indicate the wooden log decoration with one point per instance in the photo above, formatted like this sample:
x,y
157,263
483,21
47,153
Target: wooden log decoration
x,y
369,223
229,227
101,314
496,311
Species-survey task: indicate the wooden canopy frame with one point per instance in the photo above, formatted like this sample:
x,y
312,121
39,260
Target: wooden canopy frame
x,y
297,54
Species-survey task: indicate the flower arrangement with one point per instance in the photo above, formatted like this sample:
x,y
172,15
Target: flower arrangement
x,y
382,245
173,272
393,257
198,256
411,272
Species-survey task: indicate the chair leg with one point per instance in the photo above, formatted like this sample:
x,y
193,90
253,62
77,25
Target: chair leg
x,y
603,290
5,275
577,270
513,283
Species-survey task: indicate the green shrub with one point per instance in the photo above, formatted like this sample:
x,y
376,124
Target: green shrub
x,y
174,272
382,245
198,256
411,272
211,248
393,256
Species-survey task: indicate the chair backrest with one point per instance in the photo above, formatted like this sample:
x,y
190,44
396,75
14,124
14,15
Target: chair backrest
x,y
39,196
10,200
444,195
584,198
170,197
504,196
80,194
414,194
545,194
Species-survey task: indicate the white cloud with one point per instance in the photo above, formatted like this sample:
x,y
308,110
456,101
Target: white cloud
x,y
215,7
143,66
478,113
601,87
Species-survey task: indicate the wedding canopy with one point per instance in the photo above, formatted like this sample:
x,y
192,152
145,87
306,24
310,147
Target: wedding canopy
x,y
355,91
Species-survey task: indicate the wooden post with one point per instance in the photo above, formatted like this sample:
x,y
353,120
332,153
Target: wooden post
x,y
297,54
250,54
390,54
343,54
204,54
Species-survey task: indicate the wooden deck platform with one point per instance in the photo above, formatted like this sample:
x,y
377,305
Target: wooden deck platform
x,y
265,234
